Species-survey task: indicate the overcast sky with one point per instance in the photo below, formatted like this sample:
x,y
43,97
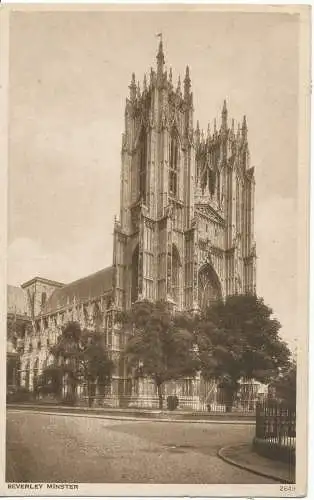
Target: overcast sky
x,y
69,77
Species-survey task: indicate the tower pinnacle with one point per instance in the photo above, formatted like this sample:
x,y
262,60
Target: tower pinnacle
x,y
244,128
132,88
160,55
179,85
208,132
187,82
170,75
224,116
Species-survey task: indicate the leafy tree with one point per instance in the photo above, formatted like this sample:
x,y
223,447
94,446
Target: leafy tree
x,y
50,381
82,357
238,338
285,385
160,344
15,330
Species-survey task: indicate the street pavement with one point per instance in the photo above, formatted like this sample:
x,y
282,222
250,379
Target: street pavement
x,y
83,449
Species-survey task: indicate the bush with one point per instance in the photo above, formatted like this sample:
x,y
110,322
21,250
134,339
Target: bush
x,y
172,402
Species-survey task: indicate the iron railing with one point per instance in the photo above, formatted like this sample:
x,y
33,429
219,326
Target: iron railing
x,y
193,395
276,423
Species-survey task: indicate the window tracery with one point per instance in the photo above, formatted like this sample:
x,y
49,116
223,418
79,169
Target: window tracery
x,y
142,165
173,164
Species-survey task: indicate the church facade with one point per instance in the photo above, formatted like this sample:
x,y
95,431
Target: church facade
x,y
185,233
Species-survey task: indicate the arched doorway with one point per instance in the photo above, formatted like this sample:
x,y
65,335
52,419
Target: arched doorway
x,y
209,288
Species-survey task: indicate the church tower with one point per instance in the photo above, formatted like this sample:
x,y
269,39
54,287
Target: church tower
x,y
185,231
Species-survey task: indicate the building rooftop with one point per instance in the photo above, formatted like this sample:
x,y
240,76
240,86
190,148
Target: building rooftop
x,y
82,289
42,280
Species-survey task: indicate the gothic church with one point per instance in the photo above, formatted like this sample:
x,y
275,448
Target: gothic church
x,y
185,233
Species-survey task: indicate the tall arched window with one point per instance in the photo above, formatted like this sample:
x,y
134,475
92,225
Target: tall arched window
x,y
142,165
209,289
175,270
98,320
173,164
134,291
43,299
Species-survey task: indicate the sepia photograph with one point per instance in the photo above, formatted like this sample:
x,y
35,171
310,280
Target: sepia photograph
x,y
157,250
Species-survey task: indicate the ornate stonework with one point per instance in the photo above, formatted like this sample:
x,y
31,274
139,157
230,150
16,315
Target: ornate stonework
x,y
200,183
185,231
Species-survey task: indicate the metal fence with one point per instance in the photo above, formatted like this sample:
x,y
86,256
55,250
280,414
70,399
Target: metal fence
x,y
193,395
276,424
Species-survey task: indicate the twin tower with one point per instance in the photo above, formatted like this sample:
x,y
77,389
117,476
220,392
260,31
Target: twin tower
x,y
185,232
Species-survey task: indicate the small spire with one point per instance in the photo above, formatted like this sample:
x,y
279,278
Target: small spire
x,y
170,75
138,91
244,128
132,88
179,86
224,116
232,125
215,126
238,131
197,131
144,83
160,56
187,82
187,74
208,132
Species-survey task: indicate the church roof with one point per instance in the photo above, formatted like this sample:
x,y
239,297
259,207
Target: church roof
x,y
16,301
89,287
45,281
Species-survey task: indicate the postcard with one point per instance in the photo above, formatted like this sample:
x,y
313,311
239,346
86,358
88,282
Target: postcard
x,y
155,182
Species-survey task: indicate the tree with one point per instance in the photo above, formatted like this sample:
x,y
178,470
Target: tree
x,y
80,357
160,344
50,381
238,338
15,330
285,385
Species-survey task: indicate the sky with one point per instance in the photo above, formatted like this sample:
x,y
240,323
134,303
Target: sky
x,y
69,77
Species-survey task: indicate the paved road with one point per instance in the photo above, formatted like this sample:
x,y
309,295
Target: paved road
x,y
50,448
